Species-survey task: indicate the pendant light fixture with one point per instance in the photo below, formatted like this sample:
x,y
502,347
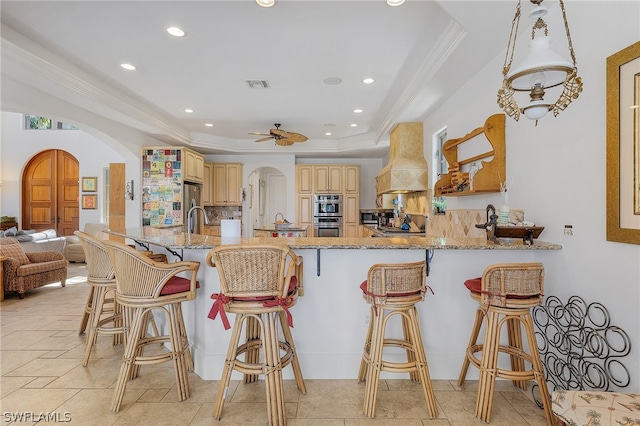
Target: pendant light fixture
x,y
540,70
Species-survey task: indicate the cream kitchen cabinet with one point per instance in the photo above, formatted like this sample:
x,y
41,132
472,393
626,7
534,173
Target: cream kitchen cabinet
x,y
304,179
227,184
304,210
327,179
207,187
351,218
211,230
193,166
352,179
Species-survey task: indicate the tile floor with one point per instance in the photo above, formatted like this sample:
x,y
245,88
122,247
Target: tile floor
x,y
41,372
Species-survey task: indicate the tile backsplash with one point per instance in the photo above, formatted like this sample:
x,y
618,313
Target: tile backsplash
x,y
461,223
216,213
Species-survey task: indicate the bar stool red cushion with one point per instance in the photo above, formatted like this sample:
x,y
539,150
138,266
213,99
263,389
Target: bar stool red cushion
x,y
177,285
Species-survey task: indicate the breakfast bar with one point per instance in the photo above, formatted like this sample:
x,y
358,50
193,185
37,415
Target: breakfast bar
x,y
330,320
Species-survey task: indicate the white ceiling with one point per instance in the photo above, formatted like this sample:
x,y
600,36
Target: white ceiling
x,y
419,54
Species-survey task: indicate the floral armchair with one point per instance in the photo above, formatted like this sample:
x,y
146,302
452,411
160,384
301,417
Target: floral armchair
x,y
26,271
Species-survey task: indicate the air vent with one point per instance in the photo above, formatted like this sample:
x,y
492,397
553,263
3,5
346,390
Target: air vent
x,y
258,84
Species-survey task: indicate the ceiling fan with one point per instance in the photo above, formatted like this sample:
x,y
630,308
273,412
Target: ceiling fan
x,y
281,137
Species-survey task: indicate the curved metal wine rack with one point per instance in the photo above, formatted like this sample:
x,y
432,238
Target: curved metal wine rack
x,y
579,347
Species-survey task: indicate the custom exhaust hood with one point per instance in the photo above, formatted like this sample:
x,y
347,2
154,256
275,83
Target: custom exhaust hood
x,y
407,170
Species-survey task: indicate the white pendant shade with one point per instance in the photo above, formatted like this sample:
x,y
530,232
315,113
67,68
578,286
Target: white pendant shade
x,y
536,110
541,59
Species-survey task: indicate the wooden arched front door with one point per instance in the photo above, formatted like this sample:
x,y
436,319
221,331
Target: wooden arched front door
x,y
50,192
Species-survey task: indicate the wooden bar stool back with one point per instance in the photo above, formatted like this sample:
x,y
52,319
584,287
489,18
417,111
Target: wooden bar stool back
x,y
506,292
105,315
141,286
394,289
259,284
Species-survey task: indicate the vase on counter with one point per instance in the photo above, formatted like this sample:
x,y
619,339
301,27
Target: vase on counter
x,y
503,216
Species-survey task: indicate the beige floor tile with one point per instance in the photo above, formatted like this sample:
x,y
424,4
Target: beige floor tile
x,y
39,382
90,407
233,414
10,384
326,398
10,360
19,340
159,414
46,367
98,374
36,400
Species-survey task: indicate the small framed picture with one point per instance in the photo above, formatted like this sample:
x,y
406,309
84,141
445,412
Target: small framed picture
x,y
89,184
89,201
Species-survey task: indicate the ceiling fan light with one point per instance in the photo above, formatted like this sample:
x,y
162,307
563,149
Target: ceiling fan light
x,y
266,3
541,59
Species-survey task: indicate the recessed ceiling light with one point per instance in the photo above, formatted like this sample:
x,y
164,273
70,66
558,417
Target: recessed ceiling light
x,y
208,124
175,31
353,125
357,110
128,67
395,2
266,3
368,80
327,134
188,110
332,80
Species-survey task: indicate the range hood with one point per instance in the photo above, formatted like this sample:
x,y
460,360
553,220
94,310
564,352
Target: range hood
x,y
407,170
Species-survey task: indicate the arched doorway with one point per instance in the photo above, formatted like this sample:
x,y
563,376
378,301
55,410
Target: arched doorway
x,y
268,196
50,192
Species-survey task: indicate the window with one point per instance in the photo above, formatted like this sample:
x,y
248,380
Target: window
x,y
440,163
36,122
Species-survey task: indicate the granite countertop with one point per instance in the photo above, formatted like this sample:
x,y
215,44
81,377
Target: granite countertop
x,y
273,228
176,239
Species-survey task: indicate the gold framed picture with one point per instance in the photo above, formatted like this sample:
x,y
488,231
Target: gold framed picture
x,y
89,201
623,145
89,184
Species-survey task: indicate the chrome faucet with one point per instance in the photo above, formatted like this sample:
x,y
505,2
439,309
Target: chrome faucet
x,y
491,224
204,214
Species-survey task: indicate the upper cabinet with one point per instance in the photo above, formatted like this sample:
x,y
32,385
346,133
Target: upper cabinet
x,y
327,179
207,187
193,166
304,179
352,179
477,161
227,184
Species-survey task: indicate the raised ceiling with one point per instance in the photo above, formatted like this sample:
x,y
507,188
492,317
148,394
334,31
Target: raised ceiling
x,y
418,53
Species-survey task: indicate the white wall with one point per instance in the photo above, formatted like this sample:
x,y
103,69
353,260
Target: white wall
x,y
559,167
19,145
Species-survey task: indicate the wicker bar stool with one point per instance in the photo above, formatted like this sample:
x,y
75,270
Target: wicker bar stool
x,y
258,283
105,315
506,293
143,285
394,289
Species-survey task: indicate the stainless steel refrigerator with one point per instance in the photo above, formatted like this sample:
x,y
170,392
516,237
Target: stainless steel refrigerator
x,y
191,197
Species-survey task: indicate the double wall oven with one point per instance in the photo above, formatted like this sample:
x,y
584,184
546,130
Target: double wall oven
x,y
327,215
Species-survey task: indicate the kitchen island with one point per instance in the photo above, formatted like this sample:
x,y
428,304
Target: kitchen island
x,y
330,320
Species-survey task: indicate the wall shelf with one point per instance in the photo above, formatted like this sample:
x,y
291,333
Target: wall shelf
x,y
488,177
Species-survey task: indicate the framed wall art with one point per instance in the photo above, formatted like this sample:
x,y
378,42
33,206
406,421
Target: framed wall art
x,y
89,184
623,145
89,201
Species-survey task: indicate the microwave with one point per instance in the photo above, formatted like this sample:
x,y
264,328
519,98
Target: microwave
x,y
368,217
327,205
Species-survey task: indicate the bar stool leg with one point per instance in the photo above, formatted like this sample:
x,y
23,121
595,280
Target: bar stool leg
x,y
514,334
273,371
295,363
88,307
420,358
130,351
364,363
375,363
97,303
252,333
486,384
473,339
411,351
228,365
538,370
